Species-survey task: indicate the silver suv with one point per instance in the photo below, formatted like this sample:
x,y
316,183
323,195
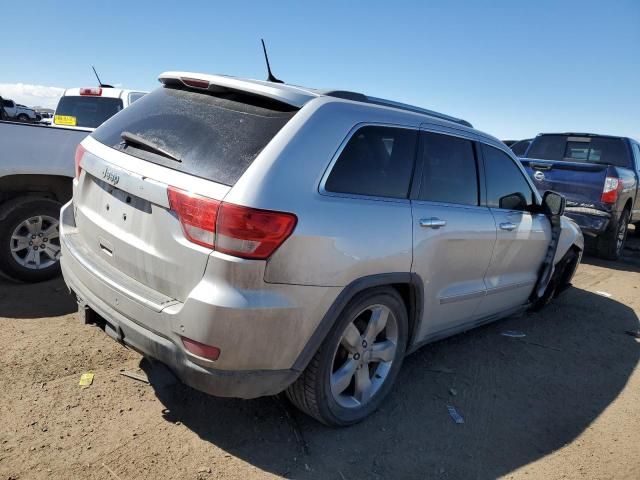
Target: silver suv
x,y
258,237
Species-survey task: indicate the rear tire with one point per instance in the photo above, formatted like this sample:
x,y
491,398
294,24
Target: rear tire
x,y
29,239
23,117
355,368
611,244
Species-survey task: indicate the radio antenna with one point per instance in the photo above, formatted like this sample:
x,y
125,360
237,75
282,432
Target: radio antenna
x,y
99,82
270,78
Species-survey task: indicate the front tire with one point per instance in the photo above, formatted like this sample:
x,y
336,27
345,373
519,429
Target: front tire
x,y
611,244
357,364
29,239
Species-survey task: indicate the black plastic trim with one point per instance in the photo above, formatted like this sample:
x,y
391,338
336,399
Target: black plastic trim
x,y
345,296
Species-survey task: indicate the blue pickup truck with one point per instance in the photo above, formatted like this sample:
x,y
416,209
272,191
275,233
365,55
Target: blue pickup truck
x,y
600,177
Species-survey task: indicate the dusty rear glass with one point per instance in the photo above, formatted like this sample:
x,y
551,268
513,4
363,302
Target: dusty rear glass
x,y
89,111
216,137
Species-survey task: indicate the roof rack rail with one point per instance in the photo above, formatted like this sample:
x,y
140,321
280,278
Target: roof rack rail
x,y
360,97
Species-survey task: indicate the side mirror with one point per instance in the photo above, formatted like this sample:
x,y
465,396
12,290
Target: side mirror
x,y
513,201
553,203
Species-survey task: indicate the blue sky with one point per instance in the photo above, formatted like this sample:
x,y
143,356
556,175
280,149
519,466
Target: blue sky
x,y
512,68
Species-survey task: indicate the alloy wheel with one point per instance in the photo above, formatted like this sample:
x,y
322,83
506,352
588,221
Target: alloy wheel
x,y
35,242
363,358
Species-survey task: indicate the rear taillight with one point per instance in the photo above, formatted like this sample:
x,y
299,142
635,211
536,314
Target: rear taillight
x,y
232,229
93,92
78,158
612,188
197,215
250,233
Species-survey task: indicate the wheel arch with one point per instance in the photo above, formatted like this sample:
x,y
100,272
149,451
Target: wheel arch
x,y
53,187
408,285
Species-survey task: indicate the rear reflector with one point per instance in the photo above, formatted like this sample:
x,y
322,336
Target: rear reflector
x,y
195,83
612,188
232,229
197,215
95,92
78,158
200,349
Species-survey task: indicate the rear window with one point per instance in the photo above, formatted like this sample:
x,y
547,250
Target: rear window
x,y
569,148
216,137
89,112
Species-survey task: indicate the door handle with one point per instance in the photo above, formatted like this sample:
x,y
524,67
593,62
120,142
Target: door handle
x,y
432,222
507,226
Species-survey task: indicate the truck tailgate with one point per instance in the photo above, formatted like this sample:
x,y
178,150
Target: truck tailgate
x,y
580,183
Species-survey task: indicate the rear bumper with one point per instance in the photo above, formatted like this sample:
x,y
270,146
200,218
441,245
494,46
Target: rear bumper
x,y
591,221
260,329
222,383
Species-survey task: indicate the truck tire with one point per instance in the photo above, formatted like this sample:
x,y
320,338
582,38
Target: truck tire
x,y
611,244
23,117
29,239
358,362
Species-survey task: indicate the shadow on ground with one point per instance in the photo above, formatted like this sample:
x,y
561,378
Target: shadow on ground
x,y
521,399
35,300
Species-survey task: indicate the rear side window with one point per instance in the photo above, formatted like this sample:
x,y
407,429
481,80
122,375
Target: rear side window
x,y
570,148
377,161
504,178
89,111
216,137
450,172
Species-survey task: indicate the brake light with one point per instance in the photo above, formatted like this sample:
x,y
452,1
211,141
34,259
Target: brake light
x,y
612,188
195,83
197,215
251,233
78,158
95,92
232,229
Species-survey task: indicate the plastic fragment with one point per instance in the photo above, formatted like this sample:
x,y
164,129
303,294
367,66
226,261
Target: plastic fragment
x,y
513,334
604,294
453,413
86,379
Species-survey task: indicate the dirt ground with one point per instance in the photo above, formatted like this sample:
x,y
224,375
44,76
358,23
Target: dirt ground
x,y
562,402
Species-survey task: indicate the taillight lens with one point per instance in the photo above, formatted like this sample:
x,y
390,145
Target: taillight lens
x,y
251,233
232,229
197,215
612,188
78,158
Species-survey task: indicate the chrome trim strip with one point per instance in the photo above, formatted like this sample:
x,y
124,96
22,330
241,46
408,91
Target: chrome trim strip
x,y
511,286
460,298
588,211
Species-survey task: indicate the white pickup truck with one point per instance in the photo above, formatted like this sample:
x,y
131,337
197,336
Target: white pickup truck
x,y
36,173
18,112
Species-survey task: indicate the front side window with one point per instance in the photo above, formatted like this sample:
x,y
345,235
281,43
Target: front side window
x,y
636,152
504,180
450,173
377,161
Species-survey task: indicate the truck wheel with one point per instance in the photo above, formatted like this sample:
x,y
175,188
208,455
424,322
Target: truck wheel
x,y
23,117
357,364
611,244
29,239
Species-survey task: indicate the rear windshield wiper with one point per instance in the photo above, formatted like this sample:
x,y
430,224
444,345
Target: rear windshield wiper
x,y
140,142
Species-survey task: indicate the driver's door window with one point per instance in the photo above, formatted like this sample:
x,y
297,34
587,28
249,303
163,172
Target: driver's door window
x,y
504,178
